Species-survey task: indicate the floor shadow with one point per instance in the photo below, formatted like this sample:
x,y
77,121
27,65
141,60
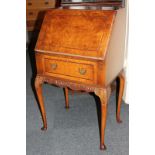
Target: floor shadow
x,y
117,92
33,35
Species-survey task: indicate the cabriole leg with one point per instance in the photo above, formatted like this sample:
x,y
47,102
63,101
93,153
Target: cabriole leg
x,y
38,86
103,94
120,94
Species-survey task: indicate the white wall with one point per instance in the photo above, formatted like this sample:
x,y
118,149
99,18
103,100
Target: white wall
x,y
126,22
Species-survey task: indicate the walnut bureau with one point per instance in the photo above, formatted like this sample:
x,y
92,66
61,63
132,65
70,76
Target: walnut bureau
x,y
74,51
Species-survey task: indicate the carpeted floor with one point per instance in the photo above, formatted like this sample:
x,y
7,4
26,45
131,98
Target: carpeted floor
x,y
74,131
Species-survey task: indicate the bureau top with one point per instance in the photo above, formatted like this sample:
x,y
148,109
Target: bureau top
x,y
83,33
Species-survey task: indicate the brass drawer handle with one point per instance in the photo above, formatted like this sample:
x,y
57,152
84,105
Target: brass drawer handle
x,y
82,71
54,66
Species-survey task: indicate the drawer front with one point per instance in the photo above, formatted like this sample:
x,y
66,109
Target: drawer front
x,y
81,71
31,4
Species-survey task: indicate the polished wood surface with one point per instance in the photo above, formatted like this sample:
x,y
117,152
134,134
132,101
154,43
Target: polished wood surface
x,y
72,52
75,69
85,32
67,68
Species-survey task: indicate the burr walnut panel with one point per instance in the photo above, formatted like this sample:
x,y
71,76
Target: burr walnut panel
x,y
85,33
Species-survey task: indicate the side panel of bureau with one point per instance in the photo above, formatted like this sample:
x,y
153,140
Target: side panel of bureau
x,y
116,49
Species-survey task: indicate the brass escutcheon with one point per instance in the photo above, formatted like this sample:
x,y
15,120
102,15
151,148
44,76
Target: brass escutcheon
x,y
82,71
54,66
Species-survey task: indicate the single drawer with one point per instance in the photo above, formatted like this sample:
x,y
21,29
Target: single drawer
x,y
77,70
40,4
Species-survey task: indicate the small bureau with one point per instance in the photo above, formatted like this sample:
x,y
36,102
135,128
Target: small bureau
x,y
74,50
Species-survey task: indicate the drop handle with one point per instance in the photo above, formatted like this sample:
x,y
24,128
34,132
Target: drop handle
x,y
54,66
82,71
